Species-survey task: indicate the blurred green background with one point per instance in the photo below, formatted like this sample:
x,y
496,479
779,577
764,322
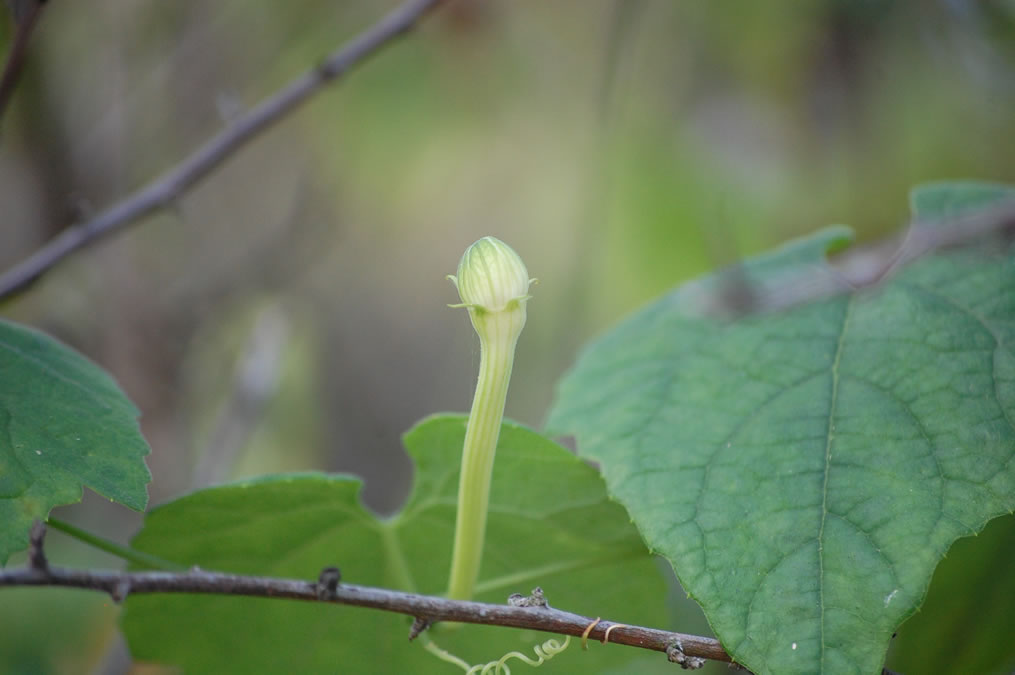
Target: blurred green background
x,y
290,312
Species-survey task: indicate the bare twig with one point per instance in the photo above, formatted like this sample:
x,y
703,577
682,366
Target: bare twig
x,y
863,268
534,617
161,192
26,14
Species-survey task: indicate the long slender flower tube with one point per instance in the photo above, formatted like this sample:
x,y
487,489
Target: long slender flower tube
x,y
494,286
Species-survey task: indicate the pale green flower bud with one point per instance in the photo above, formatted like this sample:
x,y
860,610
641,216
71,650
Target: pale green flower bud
x,y
491,277
494,285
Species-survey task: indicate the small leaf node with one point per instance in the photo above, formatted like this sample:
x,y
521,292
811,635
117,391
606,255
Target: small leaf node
x,y
327,583
675,653
419,624
36,555
535,599
120,591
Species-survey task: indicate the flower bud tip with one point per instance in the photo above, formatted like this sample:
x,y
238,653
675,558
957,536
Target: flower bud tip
x,y
491,277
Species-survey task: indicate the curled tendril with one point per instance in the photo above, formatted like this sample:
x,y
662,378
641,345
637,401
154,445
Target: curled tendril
x,y
544,652
585,634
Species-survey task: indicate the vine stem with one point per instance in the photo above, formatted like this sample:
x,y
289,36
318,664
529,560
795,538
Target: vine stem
x,y
196,581
163,191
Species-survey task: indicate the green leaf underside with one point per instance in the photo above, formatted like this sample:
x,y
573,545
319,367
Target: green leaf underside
x,y
550,524
804,472
64,423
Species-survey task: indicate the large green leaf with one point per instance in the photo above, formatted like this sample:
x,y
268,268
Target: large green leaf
x,y
965,624
805,471
936,202
550,524
63,423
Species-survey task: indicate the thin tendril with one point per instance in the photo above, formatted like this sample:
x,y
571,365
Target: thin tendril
x,y
544,652
445,655
585,634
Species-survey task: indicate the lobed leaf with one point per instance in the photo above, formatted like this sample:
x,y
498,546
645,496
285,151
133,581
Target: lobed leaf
x,y
804,472
64,424
550,524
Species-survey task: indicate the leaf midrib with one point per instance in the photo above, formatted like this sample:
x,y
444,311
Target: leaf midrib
x,y
829,437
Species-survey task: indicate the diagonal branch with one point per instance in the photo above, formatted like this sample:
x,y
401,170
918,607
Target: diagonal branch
x,y
26,15
736,295
162,191
426,608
